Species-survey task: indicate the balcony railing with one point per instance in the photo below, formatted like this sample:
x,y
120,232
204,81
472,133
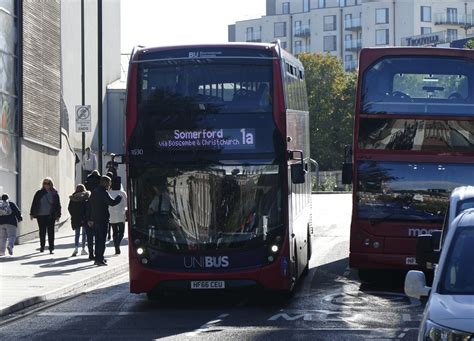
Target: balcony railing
x,y
351,65
301,49
353,24
465,21
329,27
302,31
353,44
254,36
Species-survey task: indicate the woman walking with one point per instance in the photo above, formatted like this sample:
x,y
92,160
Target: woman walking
x,y
9,217
46,209
118,213
77,210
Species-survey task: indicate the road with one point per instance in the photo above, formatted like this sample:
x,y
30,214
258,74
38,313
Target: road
x,y
330,304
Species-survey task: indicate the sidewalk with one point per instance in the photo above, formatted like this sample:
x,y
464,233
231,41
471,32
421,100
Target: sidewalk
x,y
30,277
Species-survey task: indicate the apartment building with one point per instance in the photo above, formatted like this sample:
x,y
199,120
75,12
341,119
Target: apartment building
x,y
343,27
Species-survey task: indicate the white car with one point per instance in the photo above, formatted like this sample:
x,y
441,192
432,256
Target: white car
x,y
461,199
449,312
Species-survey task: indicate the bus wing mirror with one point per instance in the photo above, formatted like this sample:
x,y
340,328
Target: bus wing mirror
x,y
298,170
347,173
425,250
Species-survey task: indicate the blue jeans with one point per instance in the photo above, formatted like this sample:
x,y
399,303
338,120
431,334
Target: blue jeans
x,y
78,233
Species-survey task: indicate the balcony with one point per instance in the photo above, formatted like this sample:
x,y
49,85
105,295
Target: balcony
x,y
351,65
353,45
254,37
301,49
464,21
353,24
302,31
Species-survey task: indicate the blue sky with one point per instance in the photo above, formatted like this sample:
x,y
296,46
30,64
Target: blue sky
x,y
175,22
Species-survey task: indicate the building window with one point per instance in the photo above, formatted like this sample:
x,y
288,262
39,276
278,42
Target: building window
x,y
283,45
329,43
285,8
381,16
426,13
280,29
452,34
249,34
452,15
425,30
306,5
329,23
321,3
342,3
298,48
381,37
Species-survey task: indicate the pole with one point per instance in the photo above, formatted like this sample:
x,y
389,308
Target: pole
x,y
83,85
99,80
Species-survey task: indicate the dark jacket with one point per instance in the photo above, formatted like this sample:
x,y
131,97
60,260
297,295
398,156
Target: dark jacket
x,y
13,218
98,207
77,208
55,209
92,182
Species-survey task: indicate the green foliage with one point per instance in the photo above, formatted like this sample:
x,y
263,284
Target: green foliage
x,y
469,44
331,97
329,184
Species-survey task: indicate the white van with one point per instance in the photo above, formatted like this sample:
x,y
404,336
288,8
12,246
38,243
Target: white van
x,y
449,312
461,199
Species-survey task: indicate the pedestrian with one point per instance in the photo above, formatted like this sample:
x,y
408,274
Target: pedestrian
x,y
77,210
118,213
112,165
89,161
92,180
10,215
98,216
46,209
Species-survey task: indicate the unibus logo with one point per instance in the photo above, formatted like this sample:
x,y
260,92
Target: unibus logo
x,y
191,262
414,232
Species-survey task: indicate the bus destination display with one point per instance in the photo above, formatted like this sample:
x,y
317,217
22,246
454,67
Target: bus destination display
x,y
205,139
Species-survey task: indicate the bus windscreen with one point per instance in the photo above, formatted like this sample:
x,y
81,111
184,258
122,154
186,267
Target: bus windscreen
x,y
419,85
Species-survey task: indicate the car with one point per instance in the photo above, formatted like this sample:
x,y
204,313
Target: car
x,y
449,311
461,198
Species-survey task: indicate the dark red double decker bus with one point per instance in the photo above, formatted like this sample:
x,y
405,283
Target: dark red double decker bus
x,y
413,143
218,148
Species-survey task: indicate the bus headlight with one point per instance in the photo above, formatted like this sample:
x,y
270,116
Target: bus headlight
x,y
140,251
137,241
376,245
144,261
274,248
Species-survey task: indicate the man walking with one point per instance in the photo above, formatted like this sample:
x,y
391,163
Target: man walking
x,y
89,162
98,216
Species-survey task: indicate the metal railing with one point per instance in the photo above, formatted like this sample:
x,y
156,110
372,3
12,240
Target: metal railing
x,y
255,36
353,24
302,31
352,44
465,21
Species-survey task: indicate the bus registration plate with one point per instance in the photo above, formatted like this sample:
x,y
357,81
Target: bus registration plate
x,y
207,285
410,261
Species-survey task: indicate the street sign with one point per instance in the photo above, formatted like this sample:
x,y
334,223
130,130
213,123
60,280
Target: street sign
x,y
83,118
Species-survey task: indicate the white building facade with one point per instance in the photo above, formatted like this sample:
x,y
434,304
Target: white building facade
x,y
343,27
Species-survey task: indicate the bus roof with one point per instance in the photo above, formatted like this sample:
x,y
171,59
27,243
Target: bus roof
x,y
147,53
369,55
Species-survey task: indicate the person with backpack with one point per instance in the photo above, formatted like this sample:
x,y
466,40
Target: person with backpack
x,y
46,209
77,209
117,213
10,215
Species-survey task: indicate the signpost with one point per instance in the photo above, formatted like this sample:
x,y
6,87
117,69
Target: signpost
x,y
83,118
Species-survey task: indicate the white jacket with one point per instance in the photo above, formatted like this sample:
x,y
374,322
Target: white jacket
x,y
117,212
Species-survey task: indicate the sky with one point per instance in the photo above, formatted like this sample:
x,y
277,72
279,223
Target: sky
x,y
176,22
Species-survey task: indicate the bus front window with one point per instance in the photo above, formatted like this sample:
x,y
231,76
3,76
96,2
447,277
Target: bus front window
x,y
207,208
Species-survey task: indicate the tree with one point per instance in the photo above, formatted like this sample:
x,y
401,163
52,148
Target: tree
x,y
470,44
331,97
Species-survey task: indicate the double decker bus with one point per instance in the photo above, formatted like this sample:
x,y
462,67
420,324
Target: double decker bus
x,y
413,143
218,152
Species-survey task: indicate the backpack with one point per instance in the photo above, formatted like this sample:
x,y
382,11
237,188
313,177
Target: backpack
x,y
5,208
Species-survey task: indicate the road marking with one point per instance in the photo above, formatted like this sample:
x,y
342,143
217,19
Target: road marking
x,y
206,326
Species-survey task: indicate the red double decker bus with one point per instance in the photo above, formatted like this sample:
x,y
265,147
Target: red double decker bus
x,y
413,143
218,148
